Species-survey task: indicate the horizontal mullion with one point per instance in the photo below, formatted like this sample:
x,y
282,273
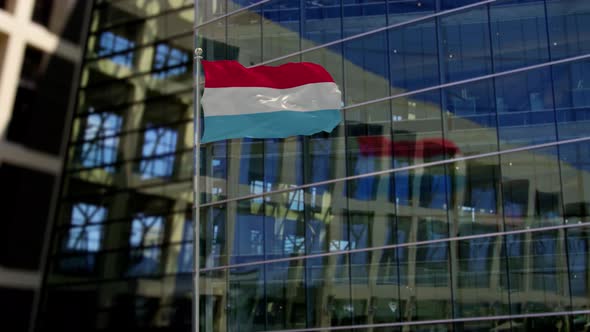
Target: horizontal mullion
x,y
123,23
177,152
122,133
111,108
111,191
122,220
92,280
397,246
349,252
122,249
396,170
136,75
138,47
437,321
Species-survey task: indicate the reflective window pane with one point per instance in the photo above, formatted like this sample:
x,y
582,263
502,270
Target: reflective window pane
x,y
577,249
321,23
465,44
363,15
531,189
525,109
427,295
476,196
405,10
574,166
413,57
536,272
470,117
519,34
365,66
244,32
572,98
568,28
245,302
280,28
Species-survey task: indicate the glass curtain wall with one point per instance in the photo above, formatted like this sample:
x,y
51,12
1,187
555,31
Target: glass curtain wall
x,y
478,109
478,112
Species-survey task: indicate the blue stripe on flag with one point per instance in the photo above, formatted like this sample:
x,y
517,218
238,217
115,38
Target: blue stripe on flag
x,y
278,124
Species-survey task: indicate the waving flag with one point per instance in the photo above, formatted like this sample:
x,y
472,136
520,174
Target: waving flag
x,y
268,102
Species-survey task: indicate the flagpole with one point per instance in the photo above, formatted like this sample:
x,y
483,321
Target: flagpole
x,y
196,192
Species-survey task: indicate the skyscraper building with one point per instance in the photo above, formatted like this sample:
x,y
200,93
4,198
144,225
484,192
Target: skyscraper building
x,y
453,196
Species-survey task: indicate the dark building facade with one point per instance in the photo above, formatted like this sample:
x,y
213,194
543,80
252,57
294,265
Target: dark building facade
x,y
453,196
40,52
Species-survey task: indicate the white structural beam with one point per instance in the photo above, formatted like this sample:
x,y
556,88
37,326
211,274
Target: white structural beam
x,y
17,154
19,31
19,279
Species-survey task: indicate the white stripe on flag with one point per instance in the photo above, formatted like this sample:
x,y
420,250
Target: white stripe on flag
x,y
251,100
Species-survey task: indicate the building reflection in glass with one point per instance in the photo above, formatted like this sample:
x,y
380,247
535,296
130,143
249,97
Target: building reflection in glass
x,y
493,242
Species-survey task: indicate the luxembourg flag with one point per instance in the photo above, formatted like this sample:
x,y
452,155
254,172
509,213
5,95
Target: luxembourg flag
x,y
268,102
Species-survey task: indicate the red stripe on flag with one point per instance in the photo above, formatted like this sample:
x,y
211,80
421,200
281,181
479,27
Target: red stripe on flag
x,y
228,73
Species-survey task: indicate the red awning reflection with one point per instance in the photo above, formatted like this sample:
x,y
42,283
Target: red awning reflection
x,y
423,148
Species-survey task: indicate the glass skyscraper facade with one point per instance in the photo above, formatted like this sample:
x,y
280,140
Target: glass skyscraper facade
x,y
454,196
